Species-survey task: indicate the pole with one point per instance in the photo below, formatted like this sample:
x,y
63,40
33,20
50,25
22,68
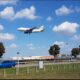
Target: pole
x,y
18,63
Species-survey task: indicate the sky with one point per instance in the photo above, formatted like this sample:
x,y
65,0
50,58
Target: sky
x,y
60,18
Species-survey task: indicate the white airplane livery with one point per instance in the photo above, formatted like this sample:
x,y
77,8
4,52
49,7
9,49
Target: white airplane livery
x,y
31,30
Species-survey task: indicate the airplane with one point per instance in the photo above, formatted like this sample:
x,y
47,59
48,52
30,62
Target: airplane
x,y
31,30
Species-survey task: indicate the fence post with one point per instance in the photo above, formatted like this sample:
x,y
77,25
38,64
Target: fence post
x,y
64,67
58,67
52,67
27,69
44,68
36,68
74,67
4,73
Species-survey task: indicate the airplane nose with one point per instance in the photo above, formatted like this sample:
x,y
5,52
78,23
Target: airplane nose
x,y
18,29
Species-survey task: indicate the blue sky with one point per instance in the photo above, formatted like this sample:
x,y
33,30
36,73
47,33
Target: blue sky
x,y
61,20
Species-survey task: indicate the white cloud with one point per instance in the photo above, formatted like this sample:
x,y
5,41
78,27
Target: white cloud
x,y
1,27
31,46
13,45
63,11
7,13
28,13
66,28
76,37
6,36
49,18
60,43
5,2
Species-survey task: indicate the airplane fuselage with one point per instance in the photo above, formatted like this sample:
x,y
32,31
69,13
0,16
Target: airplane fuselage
x,y
31,30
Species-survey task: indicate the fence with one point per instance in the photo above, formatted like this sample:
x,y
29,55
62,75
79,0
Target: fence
x,y
33,67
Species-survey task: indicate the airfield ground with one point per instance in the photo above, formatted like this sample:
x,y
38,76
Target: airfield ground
x,y
57,71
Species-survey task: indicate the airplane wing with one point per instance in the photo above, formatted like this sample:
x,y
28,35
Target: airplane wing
x,y
41,29
30,30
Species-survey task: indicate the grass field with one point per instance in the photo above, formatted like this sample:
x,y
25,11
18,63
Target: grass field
x,y
58,71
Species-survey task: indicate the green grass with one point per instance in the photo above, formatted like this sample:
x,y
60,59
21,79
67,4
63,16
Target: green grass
x,y
60,71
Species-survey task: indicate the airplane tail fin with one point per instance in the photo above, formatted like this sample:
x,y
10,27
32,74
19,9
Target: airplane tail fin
x,y
42,28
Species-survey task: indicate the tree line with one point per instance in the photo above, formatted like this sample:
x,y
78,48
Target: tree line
x,y
53,50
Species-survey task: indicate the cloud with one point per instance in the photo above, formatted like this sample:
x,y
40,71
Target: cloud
x,y
5,2
60,43
49,18
1,27
13,45
28,13
31,46
7,36
66,28
76,37
7,13
63,11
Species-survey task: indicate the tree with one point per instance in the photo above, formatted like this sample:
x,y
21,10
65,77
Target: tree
x,y
75,52
54,50
2,49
